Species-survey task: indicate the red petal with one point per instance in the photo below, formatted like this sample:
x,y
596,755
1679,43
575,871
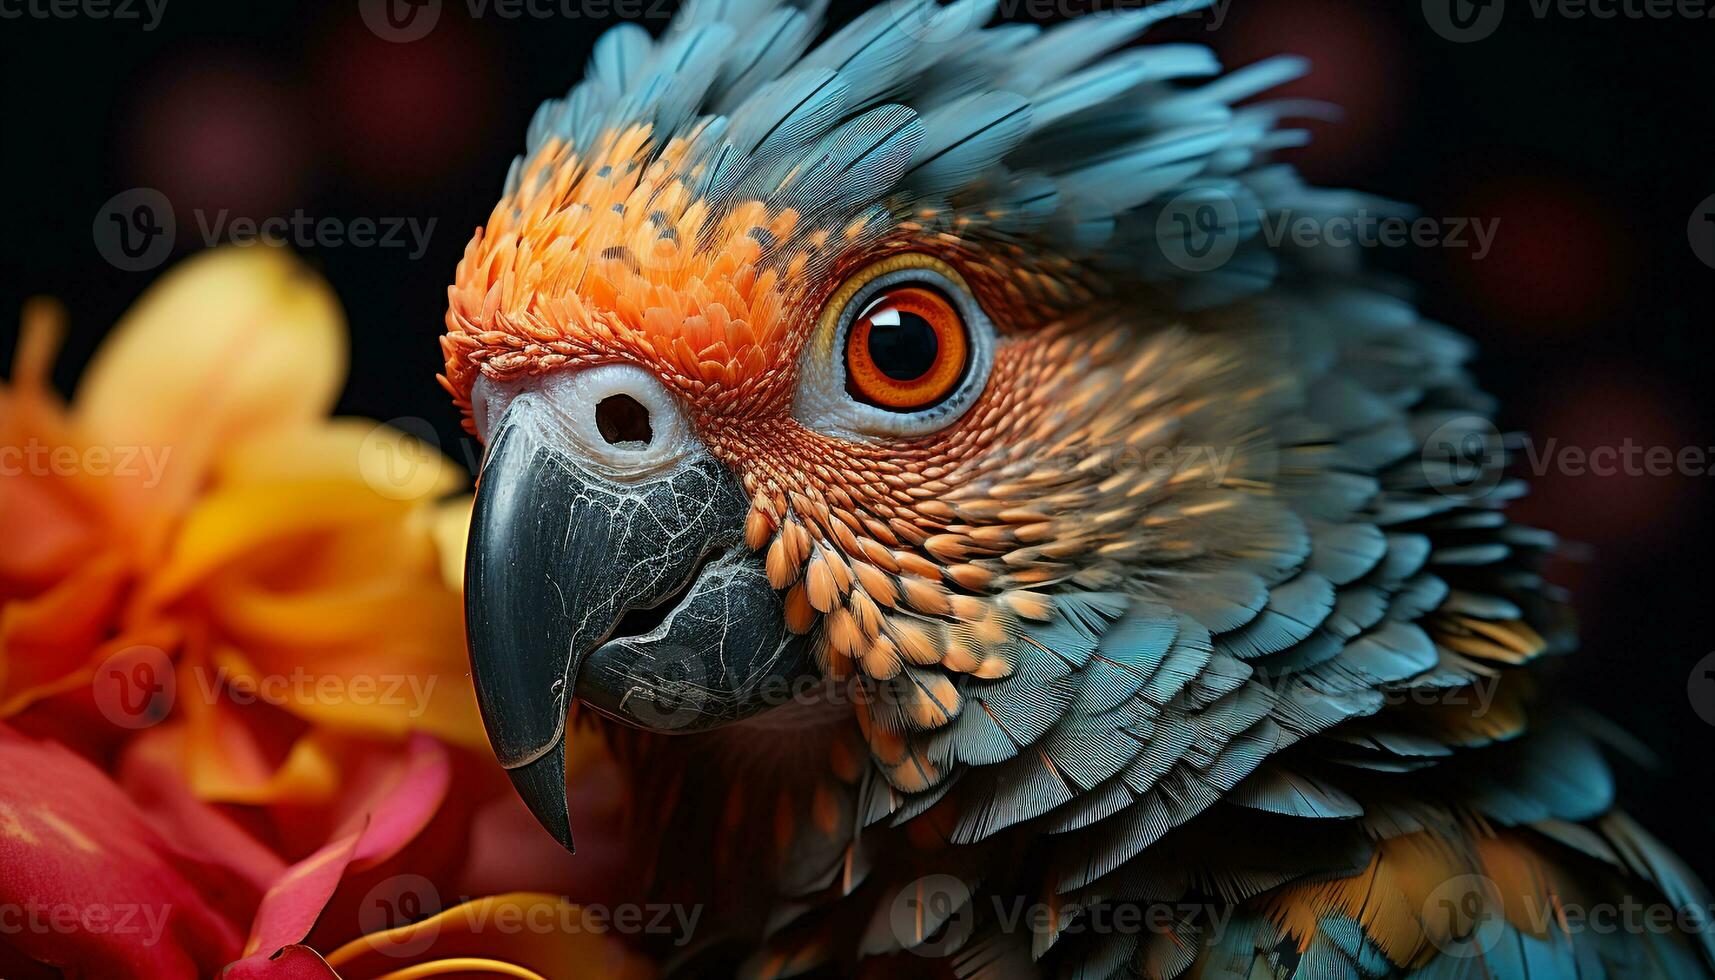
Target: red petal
x,y
99,892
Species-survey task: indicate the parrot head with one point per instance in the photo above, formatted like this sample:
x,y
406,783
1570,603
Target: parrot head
x,y
874,362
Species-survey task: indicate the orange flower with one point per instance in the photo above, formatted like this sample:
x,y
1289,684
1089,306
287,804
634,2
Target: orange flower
x,y
192,541
244,617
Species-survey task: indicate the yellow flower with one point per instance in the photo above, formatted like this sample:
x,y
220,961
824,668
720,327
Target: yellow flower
x,y
192,540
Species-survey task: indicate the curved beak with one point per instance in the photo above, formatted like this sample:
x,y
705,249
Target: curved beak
x,y
636,597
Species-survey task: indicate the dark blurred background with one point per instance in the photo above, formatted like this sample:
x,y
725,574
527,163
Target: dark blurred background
x,y
1588,139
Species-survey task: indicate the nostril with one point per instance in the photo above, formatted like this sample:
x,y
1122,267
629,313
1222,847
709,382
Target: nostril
x,y
622,419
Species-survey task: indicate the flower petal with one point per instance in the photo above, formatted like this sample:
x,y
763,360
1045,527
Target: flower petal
x,y
332,582
47,638
292,963
543,934
293,904
229,343
110,898
390,461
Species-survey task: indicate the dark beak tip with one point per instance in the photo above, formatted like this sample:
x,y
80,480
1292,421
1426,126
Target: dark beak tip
x,y
541,783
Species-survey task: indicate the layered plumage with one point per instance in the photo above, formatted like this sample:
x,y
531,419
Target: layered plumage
x,y
1188,612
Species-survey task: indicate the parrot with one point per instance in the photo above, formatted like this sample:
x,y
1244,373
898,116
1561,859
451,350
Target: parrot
x,y
986,551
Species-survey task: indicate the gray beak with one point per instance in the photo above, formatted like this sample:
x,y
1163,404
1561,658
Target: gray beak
x,y
634,595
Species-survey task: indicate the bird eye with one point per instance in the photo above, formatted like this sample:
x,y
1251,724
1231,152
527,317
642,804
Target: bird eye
x,y
901,349
906,350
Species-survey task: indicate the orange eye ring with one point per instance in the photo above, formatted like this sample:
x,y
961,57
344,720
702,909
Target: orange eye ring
x,y
907,349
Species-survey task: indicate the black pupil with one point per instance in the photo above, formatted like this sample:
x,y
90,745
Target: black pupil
x,y
901,343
